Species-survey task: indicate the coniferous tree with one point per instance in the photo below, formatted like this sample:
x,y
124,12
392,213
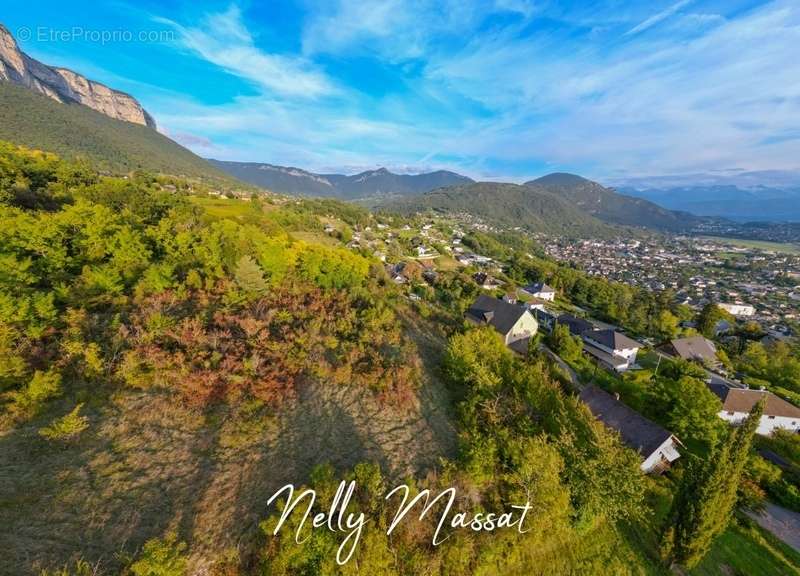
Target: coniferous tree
x,y
706,499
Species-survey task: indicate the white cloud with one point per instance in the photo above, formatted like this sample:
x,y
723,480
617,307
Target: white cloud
x,y
225,41
656,18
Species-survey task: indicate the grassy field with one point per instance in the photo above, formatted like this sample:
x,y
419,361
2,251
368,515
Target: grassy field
x,y
748,550
223,207
759,244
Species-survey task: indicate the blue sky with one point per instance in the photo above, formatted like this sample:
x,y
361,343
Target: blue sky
x,y
496,89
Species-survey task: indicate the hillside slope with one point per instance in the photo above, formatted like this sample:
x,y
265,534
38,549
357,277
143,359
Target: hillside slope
x,y
72,130
610,206
509,205
369,184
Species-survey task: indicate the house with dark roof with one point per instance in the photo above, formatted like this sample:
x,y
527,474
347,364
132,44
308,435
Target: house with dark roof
x,y
657,446
540,290
694,348
611,348
577,326
737,403
486,281
513,323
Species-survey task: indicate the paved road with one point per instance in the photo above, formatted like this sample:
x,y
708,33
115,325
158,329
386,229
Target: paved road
x,y
783,523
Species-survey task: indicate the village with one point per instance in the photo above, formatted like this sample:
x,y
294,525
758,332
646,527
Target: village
x,y
752,284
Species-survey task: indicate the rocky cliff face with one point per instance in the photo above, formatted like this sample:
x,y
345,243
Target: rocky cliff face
x,y
65,85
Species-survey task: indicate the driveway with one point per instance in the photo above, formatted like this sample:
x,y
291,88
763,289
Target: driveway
x,y
783,523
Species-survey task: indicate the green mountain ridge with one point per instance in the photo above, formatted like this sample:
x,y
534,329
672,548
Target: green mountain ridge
x,y
610,206
530,207
75,131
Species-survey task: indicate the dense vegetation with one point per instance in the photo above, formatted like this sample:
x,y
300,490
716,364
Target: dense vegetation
x,y
509,205
142,321
74,131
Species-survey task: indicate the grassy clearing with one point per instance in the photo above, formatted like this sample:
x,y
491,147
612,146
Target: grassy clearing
x,y
748,550
759,244
223,207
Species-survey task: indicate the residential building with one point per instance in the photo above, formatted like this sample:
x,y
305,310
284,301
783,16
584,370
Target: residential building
x,y
738,309
513,323
737,403
577,326
696,348
657,446
540,290
611,348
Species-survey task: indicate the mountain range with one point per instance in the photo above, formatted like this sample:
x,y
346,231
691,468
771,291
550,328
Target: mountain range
x,y
760,203
64,85
59,110
368,184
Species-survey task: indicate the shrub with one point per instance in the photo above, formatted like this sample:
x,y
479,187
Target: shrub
x,y
67,427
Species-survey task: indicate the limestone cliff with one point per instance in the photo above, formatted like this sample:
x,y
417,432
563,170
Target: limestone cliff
x,y
65,85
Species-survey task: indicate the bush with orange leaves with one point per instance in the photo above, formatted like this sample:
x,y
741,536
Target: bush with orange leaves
x,y
210,351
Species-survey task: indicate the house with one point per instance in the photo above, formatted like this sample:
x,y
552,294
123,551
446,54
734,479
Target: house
x,y
510,298
696,348
513,323
485,281
657,446
737,403
577,326
611,348
540,290
545,319
738,309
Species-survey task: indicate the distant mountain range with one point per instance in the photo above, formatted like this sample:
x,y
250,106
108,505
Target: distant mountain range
x,y
760,203
64,85
369,184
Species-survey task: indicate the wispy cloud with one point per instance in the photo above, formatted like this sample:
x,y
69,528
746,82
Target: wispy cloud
x,y
224,40
656,18
500,91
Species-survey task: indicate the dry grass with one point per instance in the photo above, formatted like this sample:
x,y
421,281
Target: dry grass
x,y
146,465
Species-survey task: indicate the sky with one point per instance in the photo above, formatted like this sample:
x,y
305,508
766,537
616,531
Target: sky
x,y
494,89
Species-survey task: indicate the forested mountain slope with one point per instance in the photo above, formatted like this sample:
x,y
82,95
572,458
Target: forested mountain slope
x,y
73,130
532,208
610,206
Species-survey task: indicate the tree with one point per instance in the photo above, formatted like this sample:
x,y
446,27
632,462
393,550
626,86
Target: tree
x,y
564,343
709,317
708,493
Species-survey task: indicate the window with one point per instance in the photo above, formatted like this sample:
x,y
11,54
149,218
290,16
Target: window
x,y
771,417
731,413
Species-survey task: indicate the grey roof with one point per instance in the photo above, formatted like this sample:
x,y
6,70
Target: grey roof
x,y
612,339
576,325
695,348
538,287
501,315
611,359
641,434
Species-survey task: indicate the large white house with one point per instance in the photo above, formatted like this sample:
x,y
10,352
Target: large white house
x,y
514,323
738,309
657,446
737,403
540,290
611,348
